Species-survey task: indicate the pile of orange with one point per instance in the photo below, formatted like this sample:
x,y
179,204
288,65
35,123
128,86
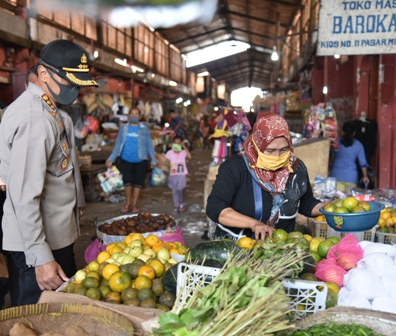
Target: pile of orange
x,y
387,220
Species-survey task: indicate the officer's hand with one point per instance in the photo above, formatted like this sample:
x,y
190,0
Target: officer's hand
x,y
2,185
261,231
50,276
109,164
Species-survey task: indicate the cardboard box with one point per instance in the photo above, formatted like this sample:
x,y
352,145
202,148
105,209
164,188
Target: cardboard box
x,y
138,316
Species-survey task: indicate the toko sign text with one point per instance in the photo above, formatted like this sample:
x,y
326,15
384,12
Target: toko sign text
x,y
357,27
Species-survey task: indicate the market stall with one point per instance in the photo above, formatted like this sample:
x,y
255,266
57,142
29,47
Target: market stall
x,y
140,269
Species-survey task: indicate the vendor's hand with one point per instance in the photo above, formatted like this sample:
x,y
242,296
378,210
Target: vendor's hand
x,y
109,164
366,180
261,231
50,276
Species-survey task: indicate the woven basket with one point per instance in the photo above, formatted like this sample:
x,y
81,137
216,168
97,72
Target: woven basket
x,y
57,317
380,322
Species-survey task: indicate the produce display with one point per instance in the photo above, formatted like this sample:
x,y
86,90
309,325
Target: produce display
x,y
387,220
335,329
20,329
130,272
250,283
140,223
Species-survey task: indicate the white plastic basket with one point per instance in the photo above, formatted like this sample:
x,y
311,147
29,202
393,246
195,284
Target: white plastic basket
x,y
190,277
322,229
386,238
306,297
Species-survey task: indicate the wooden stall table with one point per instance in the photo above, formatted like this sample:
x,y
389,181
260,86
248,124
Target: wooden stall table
x,y
99,156
90,181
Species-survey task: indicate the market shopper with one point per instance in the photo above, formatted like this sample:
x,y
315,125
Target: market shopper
x,y
133,148
40,222
177,179
177,124
343,166
263,187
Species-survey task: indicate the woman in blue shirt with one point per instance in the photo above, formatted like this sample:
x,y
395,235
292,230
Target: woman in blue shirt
x,y
133,145
344,165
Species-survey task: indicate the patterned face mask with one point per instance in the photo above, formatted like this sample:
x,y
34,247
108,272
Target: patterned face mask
x,y
272,162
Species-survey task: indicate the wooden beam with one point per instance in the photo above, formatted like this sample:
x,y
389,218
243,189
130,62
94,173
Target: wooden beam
x,y
207,32
223,12
286,3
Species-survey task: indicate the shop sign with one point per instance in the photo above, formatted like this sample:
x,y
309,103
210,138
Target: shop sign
x,y
357,27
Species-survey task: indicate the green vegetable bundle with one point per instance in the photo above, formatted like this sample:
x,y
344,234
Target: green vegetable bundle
x,y
247,298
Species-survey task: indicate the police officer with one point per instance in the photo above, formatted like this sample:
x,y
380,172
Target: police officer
x,y
40,223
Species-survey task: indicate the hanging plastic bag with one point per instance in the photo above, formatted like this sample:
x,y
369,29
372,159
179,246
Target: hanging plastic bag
x,y
157,177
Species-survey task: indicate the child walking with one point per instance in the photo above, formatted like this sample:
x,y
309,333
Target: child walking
x,y
178,171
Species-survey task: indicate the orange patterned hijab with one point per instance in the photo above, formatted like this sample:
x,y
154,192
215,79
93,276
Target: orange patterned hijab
x,y
268,127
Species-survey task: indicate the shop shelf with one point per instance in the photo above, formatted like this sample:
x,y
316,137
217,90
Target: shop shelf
x,y
322,229
306,297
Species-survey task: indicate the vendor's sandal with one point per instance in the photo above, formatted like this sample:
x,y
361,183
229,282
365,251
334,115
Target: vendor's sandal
x,y
175,211
182,207
126,208
135,209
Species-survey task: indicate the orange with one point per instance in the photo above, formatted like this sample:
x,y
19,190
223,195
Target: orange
x,y
157,246
113,297
143,282
381,222
333,286
116,249
128,239
151,240
93,274
385,214
109,270
136,236
324,247
109,247
279,235
103,256
350,202
148,271
246,242
177,251
158,267
119,281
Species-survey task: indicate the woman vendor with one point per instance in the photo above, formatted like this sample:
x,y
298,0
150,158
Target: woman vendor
x,y
264,187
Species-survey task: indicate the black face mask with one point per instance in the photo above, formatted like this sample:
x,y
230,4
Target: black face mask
x,y
67,94
133,119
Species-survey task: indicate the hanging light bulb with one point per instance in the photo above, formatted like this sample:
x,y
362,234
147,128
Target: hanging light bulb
x,y
325,90
274,55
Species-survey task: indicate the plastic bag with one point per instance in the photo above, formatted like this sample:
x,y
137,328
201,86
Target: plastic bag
x,y
174,237
389,281
382,248
352,299
157,177
379,263
365,282
93,250
80,129
111,180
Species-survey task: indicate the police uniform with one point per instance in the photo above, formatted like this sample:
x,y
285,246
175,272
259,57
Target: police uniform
x,y
40,222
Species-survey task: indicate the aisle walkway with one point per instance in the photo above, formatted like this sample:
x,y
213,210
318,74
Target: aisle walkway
x,y
156,200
